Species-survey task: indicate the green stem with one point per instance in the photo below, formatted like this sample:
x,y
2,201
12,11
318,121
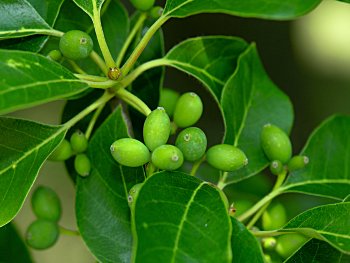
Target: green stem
x,y
101,37
91,77
133,101
137,26
142,44
102,100
55,33
99,62
196,166
93,121
76,67
272,233
68,232
222,182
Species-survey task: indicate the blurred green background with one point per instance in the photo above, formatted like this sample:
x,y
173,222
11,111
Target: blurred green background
x,y
308,58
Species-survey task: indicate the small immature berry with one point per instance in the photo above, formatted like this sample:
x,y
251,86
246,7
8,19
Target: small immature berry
x,y
188,110
78,142
62,152
42,234
143,5
192,142
226,157
82,164
156,129
76,44
269,243
130,152
276,167
46,204
297,162
167,157
274,217
133,193
276,143
155,13
168,99
55,55
288,244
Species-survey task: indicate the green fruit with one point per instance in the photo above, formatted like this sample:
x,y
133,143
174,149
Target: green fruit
x,y
226,157
155,13
269,243
46,204
55,55
62,152
276,167
297,162
188,110
42,234
130,152
192,142
241,206
167,157
275,143
76,44
274,217
82,164
288,244
168,100
142,5
133,193
156,129
78,142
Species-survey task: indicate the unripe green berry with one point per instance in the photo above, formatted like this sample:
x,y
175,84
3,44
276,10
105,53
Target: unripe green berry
x,y
143,5
168,99
62,152
133,193
82,164
274,217
167,157
226,157
188,110
46,204
76,44
276,167
130,152
42,234
276,143
155,13
288,244
269,243
192,142
156,129
55,55
78,142
297,162
241,205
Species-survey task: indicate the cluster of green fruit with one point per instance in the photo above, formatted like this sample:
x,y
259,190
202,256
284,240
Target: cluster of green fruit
x,y
76,146
43,232
190,144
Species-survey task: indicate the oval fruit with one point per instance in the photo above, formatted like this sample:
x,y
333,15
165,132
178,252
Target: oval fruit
x,y
130,152
168,100
42,234
156,129
76,44
46,204
276,143
276,167
274,217
62,152
192,142
226,157
167,157
55,55
133,193
143,5
82,164
78,142
297,162
188,110
288,244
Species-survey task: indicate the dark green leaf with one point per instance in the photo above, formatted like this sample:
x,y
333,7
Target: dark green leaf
x,y
345,1
28,79
329,223
250,100
12,248
178,218
317,251
102,210
328,173
268,9
18,18
91,7
245,247
24,146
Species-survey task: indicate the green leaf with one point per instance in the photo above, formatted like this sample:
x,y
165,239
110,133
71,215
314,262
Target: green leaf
x,y
317,251
12,248
18,18
28,79
91,7
24,146
345,1
268,9
245,247
329,223
328,173
49,11
249,101
178,218
102,210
